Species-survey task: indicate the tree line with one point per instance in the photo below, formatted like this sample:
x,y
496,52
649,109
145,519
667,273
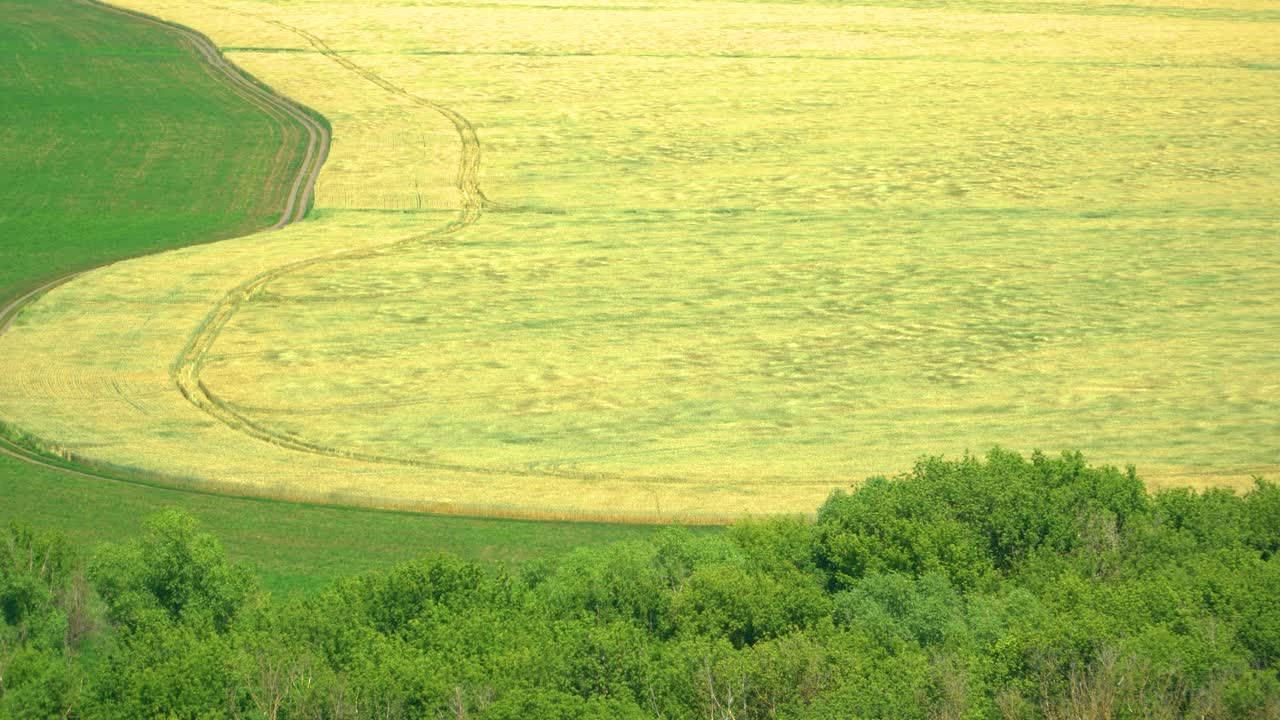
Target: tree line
x,y
997,587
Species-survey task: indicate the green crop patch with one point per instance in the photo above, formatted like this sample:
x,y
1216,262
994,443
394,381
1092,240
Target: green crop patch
x,y
116,142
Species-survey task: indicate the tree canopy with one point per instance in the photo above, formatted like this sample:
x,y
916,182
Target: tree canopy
x,y
995,587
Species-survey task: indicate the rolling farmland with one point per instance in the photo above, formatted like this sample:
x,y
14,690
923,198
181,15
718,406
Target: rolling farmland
x,y
119,142
696,260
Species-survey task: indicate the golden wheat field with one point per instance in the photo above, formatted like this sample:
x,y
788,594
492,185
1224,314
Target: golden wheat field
x,y
727,257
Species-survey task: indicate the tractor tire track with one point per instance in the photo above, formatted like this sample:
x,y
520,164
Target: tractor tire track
x,y
288,115
189,366
467,182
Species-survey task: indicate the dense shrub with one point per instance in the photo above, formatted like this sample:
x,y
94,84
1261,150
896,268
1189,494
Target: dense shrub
x,y
996,587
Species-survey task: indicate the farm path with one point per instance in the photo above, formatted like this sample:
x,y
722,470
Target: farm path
x,y
289,117
122,411
187,369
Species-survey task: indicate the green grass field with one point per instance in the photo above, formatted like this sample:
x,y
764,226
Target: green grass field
x,y
295,547
116,142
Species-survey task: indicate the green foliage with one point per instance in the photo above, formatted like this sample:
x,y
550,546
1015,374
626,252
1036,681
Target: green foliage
x,y
778,546
725,601
974,521
561,706
167,671
1262,517
1052,607
1257,604
631,582
897,609
35,570
38,683
174,574
37,582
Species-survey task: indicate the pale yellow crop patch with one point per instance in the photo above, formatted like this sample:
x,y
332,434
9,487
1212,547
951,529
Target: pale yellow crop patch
x,y
736,254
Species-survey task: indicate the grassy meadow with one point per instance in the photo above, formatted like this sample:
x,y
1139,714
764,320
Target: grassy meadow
x,y
293,547
737,254
106,133
117,142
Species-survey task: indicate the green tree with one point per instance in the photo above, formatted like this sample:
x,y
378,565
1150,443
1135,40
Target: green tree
x,y
175,573
38,678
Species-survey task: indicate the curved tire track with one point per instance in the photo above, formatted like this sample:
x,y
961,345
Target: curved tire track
x,y
186,369
288,115
189,366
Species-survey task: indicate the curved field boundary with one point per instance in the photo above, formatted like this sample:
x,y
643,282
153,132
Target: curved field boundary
x,y
288,115
186,369
473,197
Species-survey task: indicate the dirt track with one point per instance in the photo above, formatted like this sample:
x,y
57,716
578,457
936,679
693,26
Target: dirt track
x,y
188,368
186,374
287,114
